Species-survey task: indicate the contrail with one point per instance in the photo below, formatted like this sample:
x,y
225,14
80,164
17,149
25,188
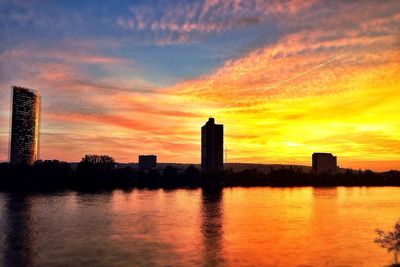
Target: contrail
x,y
300,74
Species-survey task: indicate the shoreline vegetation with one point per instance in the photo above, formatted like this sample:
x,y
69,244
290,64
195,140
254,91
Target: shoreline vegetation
x,y
95,173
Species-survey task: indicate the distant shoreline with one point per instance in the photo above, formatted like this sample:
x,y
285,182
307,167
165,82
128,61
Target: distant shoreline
x,y
60,176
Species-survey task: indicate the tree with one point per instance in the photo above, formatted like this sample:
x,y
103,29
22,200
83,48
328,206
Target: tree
x,y
192,172
96,162
99,160
390,241
170,173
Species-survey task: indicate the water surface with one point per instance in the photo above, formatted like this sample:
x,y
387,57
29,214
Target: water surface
x,y
234,226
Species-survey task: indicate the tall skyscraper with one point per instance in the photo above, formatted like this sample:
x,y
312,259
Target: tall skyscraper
x,y
212,146
25,126
324,163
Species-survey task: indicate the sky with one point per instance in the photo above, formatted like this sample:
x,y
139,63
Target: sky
x,y
286,78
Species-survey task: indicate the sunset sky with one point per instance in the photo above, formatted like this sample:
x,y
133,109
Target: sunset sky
x,y
286,78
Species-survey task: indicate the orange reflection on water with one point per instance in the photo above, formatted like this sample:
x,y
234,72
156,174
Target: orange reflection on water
x,y
260,226
226,227
307,226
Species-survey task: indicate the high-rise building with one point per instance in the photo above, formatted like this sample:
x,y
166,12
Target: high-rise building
x,y
324,163
212,146
24,126
147,162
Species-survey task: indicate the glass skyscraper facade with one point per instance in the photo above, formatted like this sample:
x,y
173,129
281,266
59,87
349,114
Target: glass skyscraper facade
x,y
24,126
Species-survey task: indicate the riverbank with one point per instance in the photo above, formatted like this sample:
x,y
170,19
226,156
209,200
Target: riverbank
x,y
55,176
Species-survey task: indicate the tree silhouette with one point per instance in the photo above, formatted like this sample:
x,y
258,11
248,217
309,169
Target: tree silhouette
x,y
390,241
104,160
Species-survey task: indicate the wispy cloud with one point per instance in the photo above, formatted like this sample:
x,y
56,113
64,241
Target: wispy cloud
x,y
175,22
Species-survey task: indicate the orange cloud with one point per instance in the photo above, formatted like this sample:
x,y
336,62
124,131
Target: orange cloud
x,y
300,95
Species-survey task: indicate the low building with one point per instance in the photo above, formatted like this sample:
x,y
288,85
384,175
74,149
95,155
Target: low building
x,y
147,162
324,163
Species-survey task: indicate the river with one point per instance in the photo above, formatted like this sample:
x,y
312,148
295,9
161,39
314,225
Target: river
x,y
230,227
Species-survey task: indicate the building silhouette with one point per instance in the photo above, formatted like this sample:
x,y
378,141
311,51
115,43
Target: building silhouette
x,y
324,163
25,126
147,162
212,145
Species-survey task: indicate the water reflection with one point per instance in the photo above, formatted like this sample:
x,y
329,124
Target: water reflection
x,y
19,247
233,227
326,193
211,225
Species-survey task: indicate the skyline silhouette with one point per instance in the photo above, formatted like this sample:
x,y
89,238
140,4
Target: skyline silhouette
x,y
25,134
